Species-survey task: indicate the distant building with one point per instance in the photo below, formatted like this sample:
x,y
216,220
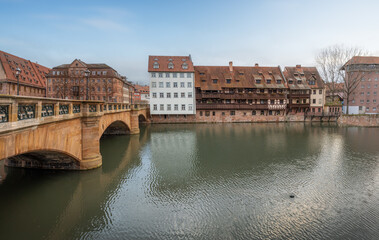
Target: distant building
x,y
307,89
234,93
32,78
171,86
365,98
82,81
141,94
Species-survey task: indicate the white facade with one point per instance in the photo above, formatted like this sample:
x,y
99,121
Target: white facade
x,y
145,97
172,93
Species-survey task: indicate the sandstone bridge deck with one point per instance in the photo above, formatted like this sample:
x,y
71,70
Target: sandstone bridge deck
x,y
61,134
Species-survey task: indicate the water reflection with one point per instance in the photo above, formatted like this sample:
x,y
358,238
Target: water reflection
x,y
206,181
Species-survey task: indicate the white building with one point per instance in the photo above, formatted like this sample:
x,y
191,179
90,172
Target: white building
x,y
172,85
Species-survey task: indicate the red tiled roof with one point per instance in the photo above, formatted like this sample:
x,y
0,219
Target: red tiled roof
x,y
163,63
240,77
32,74
305,74
141,89
363,60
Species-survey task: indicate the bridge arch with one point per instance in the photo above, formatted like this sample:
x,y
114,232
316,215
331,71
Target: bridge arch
x,y
142,118
118,127
44,158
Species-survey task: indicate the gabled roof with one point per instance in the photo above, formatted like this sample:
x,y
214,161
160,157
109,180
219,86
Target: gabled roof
x,y
177,62
362,60
305,74
32,73
239,77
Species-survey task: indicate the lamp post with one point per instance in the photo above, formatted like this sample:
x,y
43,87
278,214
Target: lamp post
x,y
18,71
86,73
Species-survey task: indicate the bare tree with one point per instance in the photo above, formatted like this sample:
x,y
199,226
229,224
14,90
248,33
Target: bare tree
x,y
330,61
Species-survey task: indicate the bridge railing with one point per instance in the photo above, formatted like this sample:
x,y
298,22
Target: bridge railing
x,y
22,111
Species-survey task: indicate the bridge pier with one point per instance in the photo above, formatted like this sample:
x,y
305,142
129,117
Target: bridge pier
x,y
134,122
91,157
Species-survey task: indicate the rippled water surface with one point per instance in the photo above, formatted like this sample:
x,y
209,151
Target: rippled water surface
x,y
206,181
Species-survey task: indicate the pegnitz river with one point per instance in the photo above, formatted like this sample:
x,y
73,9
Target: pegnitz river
x,y
206,181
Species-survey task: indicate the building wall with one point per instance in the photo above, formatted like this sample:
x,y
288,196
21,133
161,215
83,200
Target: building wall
x,y
160,85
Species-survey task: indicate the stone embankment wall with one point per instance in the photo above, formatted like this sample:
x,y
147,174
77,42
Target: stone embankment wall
x,y
359,120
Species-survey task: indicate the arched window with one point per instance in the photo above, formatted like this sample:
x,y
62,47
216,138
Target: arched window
x,y
170,65
185,66
156,65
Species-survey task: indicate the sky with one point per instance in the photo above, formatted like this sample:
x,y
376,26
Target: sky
x,y
123,34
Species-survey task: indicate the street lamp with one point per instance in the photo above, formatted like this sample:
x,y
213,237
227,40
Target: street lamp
x,y
86,73
18,71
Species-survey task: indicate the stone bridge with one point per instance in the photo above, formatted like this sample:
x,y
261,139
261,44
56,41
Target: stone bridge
x,y
61,134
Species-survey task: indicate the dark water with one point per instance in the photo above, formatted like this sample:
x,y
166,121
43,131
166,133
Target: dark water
x,y
211,181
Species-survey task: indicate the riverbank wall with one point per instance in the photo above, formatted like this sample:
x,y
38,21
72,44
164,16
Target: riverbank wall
x,y
359,120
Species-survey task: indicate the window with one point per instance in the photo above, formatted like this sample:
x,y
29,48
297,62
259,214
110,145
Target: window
x,y
182,75
258,81
154,95
232,113
183,95
156,65
183,107
168,107
189,75
207,113
314,92
268,81
190,95
360,108
313,101
278,81
290,81
155,107
153,84
185,66
298,81
176,95
320,91
160,75
168,95
174,75
228,80
161,84
175,84
362,86
161,95
362,101
281,101
374,100
374,93
170,65
254,112
353,101
176,107
367,109
368,93
368,100
201,113
167,75
214,80
189,84
168,84
190,107
161,107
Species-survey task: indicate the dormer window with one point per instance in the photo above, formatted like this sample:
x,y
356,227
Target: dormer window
x,y
155,59
241,73
268,81
258,81
156,65
185,66
290,81
202,74
170,65
298,81
278,81
228,80
214,80
312,82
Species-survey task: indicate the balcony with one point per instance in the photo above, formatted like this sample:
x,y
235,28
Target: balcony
x,y
232,106
241,95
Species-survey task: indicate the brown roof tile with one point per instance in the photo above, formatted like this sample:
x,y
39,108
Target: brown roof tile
x,y
305,74
164,61
32,73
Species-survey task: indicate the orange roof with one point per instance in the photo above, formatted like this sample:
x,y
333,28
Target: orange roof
x,y
305,74
32,73
170,64
239,77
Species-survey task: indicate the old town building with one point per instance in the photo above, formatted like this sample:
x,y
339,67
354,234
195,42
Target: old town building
x,y
239,93
302,80
299,96
364,98
83,81
141,94
31,76
171,87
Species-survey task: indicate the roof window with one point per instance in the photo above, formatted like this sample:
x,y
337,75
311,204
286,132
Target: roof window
x,y
156,65
170,65
185,66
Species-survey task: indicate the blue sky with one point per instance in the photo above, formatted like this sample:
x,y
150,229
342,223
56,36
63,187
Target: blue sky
x,y
123,33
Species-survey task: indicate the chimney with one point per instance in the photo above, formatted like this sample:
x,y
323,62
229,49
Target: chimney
x,y
298,66
256,64
231,66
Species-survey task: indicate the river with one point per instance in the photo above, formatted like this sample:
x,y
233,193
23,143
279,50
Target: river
x,y
206,181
